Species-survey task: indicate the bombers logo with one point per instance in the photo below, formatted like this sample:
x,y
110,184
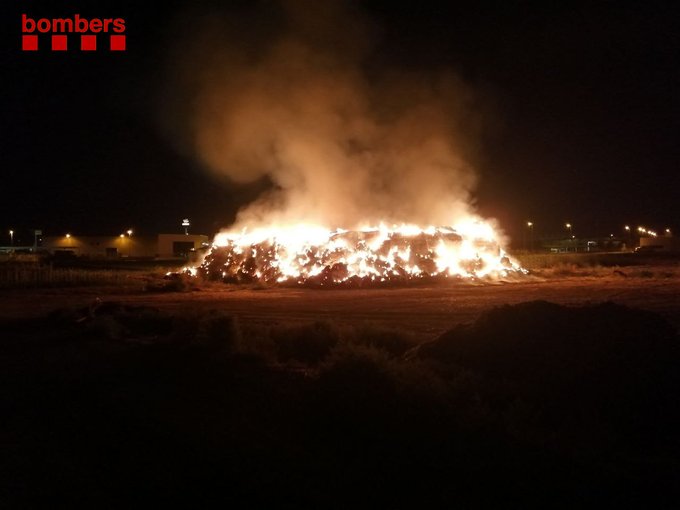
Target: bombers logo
x,y
65,31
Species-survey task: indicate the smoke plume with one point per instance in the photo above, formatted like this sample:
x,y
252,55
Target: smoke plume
x,y
298,95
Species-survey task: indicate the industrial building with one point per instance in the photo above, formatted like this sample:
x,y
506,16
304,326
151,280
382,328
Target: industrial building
x,y
162,246
661,244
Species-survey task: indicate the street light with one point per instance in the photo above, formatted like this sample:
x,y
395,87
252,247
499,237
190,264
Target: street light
x,y
569,229
11,237
630,236
129,233
530,226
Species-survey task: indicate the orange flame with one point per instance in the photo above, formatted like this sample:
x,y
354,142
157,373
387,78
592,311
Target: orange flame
x,y
302,252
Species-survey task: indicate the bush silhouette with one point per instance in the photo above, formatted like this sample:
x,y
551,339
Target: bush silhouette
x,y
307,343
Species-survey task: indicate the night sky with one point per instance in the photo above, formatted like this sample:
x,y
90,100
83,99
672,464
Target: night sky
x,y
583,97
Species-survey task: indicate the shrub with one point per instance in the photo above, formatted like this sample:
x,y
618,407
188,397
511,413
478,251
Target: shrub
x,y
393,342
357,388
308,343
219,330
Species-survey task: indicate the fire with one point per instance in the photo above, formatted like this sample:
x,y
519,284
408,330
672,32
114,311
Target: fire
x,y
311,253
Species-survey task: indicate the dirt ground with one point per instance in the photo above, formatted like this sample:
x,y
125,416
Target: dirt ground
x,y
539,403
424,310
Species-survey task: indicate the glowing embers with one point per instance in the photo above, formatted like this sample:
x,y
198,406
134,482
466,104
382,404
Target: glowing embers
x,y
379,254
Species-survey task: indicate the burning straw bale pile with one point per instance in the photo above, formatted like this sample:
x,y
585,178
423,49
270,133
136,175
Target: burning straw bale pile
x,y
355,257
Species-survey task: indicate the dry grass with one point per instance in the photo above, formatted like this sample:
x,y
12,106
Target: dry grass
x,y
552,260
599,265
33,275
23,276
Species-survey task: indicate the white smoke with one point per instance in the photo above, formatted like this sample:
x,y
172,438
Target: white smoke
x,y
345,145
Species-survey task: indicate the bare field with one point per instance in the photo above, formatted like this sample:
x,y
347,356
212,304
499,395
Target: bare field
x,y
425,310
320,396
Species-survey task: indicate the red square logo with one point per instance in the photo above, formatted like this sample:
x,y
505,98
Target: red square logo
x,y
117,43
29,42
58,43
88,42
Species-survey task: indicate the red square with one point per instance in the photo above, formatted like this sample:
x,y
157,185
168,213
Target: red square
x,y
88,42
29,42
58,43
117,43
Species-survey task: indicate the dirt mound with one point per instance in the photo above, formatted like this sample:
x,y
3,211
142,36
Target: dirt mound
x,y
538,334
605,360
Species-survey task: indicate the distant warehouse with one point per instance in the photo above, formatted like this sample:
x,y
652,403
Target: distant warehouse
x,y
162,246
660,244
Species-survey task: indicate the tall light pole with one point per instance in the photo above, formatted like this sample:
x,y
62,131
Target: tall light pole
x,y
129,243
630,236
122,245
186,224
11,237
568,227
530,226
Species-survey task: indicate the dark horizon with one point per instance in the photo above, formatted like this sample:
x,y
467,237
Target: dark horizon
x,y
583,124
